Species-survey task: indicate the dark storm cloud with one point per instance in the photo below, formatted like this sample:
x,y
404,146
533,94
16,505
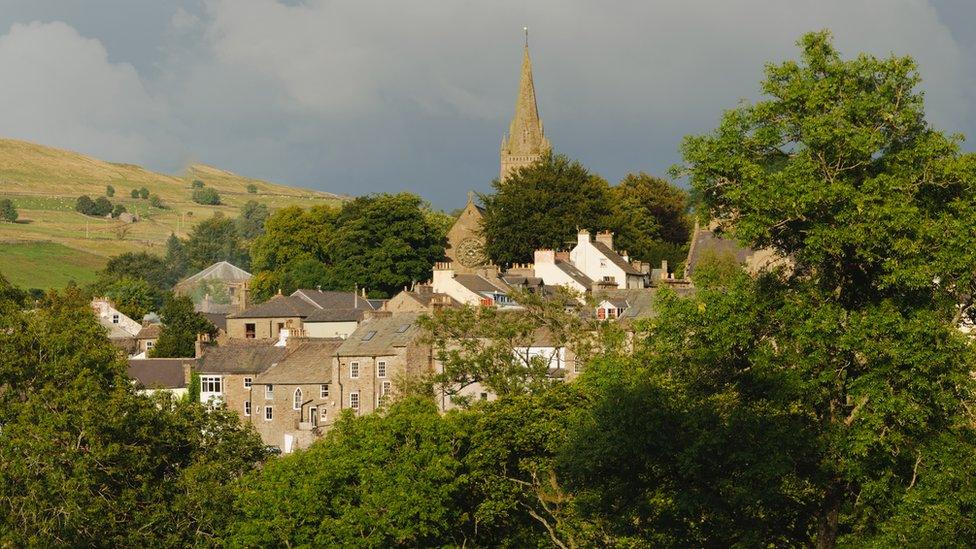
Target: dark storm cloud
x,y
368,96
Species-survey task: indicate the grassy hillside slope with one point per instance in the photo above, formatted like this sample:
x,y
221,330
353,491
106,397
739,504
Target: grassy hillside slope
x,y
44,182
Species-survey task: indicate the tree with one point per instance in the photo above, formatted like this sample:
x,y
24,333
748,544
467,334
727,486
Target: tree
x,y
206,196
649,219
543,206
155,270
101,207
214,240
143,193
85,461
181,327
252,189
85,205
250,223
838,170
109,191
8,212
176,257
293,233
197,184
135,193
156,202
134,297
118,210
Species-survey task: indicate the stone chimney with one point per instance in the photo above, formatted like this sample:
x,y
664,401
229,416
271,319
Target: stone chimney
x,y
664,269
583,237
562,256
605,237
545,257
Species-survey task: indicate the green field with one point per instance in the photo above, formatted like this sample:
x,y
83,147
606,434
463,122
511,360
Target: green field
x,y
47,265
44,183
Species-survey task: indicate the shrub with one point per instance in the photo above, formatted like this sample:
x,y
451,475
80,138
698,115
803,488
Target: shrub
x,y
135,193
118,210
144,193
85,205
7,210
109,191
102,207
252,188
156,202
206,196
197,184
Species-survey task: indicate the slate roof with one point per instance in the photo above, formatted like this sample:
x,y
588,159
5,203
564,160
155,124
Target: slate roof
x,y
149,331
478,284
308,362
159,373
616,258
218,319
279,306
381,336
574,273
241,358
115,331
336,315
221,270
334,300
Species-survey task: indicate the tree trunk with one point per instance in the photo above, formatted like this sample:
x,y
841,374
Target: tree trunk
x,y
828,516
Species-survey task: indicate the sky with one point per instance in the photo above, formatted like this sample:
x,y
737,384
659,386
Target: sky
x,y
368,96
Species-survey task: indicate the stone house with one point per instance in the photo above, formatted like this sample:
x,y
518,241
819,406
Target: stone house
x,y
122,330
220,288
147,336
333,314
293,401
171,375
228,372
376,359
601,263
421,299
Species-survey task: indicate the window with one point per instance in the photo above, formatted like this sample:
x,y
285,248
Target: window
x,y
403,328
611,313
269,392
268,413
384,391
354,400
354,370
115,319
281,326
369,335
601,313
381,368
249,331
323,414
297,402
324,391
247,382
247,407
484,396
210,384
149,345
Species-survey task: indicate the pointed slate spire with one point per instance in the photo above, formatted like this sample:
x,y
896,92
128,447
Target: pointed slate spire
x,y
526,141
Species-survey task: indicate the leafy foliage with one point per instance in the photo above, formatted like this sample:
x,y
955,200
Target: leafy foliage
x,y
8,212
207,196
214,240
250,222
109,191
181,326
649,219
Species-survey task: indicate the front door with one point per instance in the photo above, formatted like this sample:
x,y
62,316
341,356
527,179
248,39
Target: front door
x,y
313,415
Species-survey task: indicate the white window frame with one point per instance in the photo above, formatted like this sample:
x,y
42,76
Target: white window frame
x,y
248,381
296,403
269,413
269,391
381,369
324,390
207,383
354,401
149,345
354,370
247,408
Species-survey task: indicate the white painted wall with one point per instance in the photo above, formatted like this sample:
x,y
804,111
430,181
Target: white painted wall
x,y
329,329
443,282
593,263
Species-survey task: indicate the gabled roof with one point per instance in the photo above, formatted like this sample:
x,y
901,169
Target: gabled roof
x,y
479,284
217,319
574,273
336,315
116,331
309,362
381,336
159,373
279,306
240,358
333,300
616,258
149,331
221,270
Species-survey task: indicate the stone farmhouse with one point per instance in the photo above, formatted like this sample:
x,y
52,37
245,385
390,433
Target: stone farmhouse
x,y
313,313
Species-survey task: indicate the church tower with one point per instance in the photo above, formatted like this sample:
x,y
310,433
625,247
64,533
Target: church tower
x,y
526,142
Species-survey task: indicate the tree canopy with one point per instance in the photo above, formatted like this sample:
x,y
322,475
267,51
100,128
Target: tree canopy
x,y
181,327
215,239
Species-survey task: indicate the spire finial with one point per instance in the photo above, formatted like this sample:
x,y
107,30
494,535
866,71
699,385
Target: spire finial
x,y
526,30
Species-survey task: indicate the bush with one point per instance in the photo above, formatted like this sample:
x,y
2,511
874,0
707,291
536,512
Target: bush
x,y
109,191
156,202
7,210
252,188
197,184
135,193
102,207
206,196
144,193
118,210
85,205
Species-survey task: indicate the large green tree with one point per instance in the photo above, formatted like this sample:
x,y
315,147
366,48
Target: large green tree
x,y
215,239
181,327
543,206
250,222
838,170
85,461
155,270
649,219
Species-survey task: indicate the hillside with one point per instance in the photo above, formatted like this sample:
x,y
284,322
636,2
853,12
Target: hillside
x,y
44,182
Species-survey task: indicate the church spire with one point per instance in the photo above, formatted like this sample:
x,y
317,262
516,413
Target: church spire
x,y
526,141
